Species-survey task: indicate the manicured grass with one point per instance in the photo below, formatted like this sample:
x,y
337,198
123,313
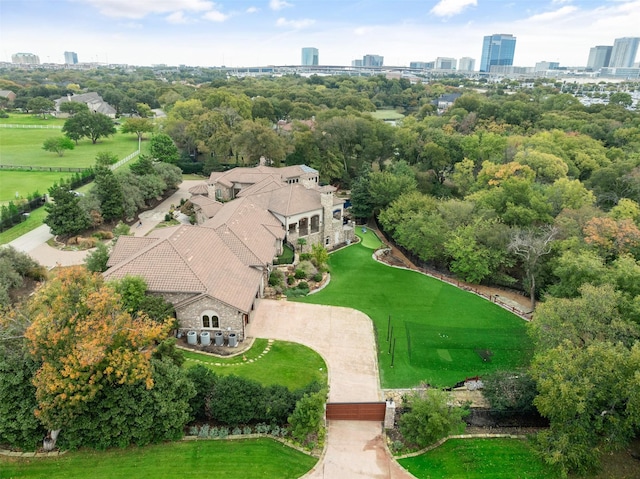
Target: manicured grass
x,y
23,147
24,183
438,329
35,219
29,119
387,115
287,255
288,364
481,459
236,459
369,238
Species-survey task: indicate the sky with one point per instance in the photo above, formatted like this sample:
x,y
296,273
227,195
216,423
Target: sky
x,y
238,33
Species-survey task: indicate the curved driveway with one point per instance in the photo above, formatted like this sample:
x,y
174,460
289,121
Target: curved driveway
x,y
345,339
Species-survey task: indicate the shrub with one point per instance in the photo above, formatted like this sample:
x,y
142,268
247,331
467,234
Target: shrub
x,y
276,278
246,430
121,229
223,432
204,431
317,277
430,417
305,257
168,217
87,243
103,235
307,268
96,261
306,419
510,391
299,274
236,431
290,280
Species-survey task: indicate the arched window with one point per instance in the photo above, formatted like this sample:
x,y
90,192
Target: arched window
x,y
210,320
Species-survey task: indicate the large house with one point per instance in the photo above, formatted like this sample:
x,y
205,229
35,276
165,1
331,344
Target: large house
x,y
213,271
94,101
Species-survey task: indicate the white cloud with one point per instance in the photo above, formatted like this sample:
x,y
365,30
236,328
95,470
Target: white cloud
x,y
279,4
252,10
556,2
295,24
177,17
448,8
142,8
362,30
555,15
215,16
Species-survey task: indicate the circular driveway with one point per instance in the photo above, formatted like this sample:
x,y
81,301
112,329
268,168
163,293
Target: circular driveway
x,y
345,339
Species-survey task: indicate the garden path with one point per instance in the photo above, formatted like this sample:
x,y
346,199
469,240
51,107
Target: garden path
x,y
345,339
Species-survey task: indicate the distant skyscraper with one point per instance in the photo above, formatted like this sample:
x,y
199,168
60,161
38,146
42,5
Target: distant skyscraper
x,y
466,64
444,63
599,57
357,62
25,58
309,56
372,61
70,58
624,52
498,49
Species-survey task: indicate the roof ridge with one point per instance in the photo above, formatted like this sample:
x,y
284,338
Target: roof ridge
x,y
241,242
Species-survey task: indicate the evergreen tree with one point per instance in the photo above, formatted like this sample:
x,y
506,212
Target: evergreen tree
x,y
65,216
108,190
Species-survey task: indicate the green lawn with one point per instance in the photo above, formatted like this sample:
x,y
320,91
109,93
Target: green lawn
x,y
387,115
369,238
35,219
288,364
236,459
479,459
23,146
29,119
24,183
439,330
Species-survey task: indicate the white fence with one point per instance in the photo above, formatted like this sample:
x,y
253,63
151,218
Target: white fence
x,y
45,127
124,160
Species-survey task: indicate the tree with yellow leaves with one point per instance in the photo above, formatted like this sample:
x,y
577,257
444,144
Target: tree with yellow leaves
x,y
86,342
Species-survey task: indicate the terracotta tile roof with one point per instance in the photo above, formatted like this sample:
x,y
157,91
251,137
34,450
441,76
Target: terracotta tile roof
x,y
267,184
199,189
253,175
294,199
191,260
127,247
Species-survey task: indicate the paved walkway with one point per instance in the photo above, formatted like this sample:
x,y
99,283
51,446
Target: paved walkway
x,y
35,242
345,339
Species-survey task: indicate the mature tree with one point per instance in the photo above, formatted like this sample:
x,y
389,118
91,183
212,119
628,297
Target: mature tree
x,y
257,139
58,144
65,217
263,108
431,417
162,147
386,186
530,245
18,426
73,107
86,343
509,392
139,126
90,125
16,270
108,190
40,105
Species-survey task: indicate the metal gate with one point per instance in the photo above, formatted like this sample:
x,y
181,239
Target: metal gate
x,y
360,411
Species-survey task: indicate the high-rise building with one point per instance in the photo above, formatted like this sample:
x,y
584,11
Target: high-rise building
x,y
372,61
623,53
466,64
497,49
419,65
357,62
309,56
25,58
444,63
70,58
599,57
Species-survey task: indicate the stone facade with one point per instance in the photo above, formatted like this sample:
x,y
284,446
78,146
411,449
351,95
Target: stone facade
x,y
230,320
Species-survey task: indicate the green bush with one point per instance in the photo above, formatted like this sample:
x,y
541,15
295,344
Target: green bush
x,y
307,270
430,417
307,418
317,277
121,229
290,280
300,274
305,257
276,278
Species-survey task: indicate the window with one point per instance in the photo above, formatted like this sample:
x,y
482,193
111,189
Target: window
x,y
210,320
326,241
315,223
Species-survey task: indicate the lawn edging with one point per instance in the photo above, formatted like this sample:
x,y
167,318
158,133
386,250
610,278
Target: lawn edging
x,y
459,436
7,453
491,298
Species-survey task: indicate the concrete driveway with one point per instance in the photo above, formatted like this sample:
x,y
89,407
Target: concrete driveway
x,y
344,338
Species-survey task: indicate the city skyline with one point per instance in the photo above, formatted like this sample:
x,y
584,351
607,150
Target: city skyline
x,y
272,32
